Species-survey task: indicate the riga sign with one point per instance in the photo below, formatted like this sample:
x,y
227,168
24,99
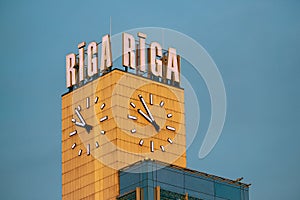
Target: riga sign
x,y
158,64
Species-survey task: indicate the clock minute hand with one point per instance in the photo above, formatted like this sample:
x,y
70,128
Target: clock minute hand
x,y
80,117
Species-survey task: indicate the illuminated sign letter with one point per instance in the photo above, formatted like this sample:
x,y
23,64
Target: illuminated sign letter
x,y
142,44
128,55
106,58
92,59
156,64
172,66
81,60
70,70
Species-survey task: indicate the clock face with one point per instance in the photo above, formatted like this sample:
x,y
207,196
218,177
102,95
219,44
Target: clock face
x,y
126,118
85,124
149,117
145,111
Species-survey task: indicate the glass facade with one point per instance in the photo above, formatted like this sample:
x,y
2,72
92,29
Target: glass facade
x,y
178,183
128,196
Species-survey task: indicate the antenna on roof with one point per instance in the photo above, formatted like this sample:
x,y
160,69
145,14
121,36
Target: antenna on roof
x,y
162,35
110,25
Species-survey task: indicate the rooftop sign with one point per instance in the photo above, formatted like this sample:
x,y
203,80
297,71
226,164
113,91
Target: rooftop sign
x,y
136,54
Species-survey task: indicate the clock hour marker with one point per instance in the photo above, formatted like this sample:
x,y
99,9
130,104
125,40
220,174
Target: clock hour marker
x,y
141,142
170,128
87,102
78,108
96,99
97,144
132,105
79,152
169,115
133,131
73,133
132,117
102,106
151,99
73,120
88,149
170,141
151,146
162,104
103,119
102,132
73,146
162,148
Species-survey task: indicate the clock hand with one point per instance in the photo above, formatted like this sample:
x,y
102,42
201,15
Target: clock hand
x,y
144,115
146,107
149,113
88,128
79,124
80,117
82,123
157,128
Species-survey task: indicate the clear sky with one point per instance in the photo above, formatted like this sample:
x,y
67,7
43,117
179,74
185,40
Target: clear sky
x,y
255,45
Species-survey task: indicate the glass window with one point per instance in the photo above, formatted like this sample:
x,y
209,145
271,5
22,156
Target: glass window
x,y
226,191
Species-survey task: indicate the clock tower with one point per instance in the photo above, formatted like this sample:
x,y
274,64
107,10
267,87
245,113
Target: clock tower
x,y
116,120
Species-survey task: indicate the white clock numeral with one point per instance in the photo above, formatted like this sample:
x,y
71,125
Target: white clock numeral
x,y
102,132
133,131
74,145
73,133
151,146
132,117
132,105
170,141
103,119
97,144
151,99
102,106
141,142
73,120
170,128
88,149
162,148
169,115
162,104
79,152
78,108
87,102
96,99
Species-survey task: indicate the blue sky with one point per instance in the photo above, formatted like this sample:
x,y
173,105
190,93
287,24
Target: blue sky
x,y
255,45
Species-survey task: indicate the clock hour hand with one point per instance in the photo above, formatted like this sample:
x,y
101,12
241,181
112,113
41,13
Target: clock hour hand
x,y
82,124
145,116
80,117
79,124
157,128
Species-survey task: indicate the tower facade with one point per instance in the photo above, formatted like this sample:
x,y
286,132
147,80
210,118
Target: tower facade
x,y
115,121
